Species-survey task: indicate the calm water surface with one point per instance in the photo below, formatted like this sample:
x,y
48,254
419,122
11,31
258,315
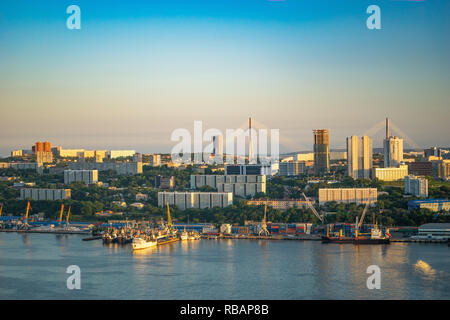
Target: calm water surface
x,y
33,266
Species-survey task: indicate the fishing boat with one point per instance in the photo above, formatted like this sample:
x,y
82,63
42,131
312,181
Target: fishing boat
x,y
184,236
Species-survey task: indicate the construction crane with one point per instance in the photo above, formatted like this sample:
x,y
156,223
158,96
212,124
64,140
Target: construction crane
x,y
320,217
264,230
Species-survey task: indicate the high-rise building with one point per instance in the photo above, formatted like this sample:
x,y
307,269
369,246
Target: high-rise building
x,y
321,151
393,149
432,152
292,168
416,186
218,145
359,157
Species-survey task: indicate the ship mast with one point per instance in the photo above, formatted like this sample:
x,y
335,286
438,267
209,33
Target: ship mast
x,y
264,230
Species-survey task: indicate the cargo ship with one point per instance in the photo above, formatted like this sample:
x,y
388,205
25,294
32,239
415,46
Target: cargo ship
x,y
376,237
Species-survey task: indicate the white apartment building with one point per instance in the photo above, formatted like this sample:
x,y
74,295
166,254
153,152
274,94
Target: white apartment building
x,y
391,174
199,200
416,186
85,176
348,195
239,185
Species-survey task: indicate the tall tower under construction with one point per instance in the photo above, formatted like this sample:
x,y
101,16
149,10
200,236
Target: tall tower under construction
x,y
321,151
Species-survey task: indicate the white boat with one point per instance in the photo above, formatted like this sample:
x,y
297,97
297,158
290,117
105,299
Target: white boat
x,y
140,243
193,236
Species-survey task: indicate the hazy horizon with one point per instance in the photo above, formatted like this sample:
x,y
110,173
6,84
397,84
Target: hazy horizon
x,y
138,70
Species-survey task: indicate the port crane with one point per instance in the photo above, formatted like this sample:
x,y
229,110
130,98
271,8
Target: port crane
x,y
1,210
360,222
320,217
25,224
61,214
264,230
68,215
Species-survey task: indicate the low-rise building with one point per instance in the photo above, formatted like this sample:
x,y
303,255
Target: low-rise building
x,y
38,194
281,204
292,168
113,154
391,173
85,176
155,160
420,168
121,168
430,204
348,195
200,200
239,185
416,186
439,231
165,182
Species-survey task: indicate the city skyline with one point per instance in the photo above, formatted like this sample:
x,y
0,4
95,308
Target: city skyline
x,y
135,72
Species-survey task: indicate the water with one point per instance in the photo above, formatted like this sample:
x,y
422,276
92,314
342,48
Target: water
x,y
33,266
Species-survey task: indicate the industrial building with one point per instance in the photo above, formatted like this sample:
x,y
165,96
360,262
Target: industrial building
x,y
200,200
121,168
239,185
44,194
348,195
430,204
439,231
321,151
85,176
292,168
391,174
416,186
359,157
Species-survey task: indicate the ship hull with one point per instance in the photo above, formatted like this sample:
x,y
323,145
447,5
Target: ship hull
x,y
326,239
139,244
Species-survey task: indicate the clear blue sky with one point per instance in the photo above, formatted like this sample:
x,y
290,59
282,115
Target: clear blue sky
x,y
137,70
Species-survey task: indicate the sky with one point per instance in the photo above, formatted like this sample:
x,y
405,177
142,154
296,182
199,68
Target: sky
x,y
138,70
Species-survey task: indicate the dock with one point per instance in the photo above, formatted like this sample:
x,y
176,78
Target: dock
x,y
420,240
47,231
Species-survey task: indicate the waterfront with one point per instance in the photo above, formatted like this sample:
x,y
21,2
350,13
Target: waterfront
x,y
32,266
